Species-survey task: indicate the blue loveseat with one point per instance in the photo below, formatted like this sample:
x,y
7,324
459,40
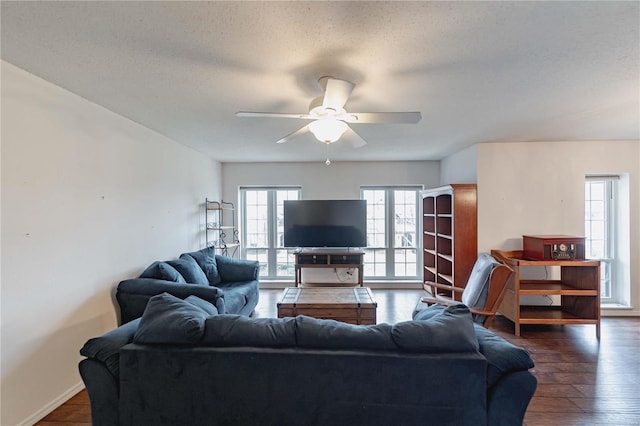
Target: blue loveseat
x,y
181,364
231,285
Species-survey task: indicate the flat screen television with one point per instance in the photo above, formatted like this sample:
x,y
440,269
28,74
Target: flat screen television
x,y
325,223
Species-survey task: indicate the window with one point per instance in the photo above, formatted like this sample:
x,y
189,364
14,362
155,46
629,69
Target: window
x,y
600,229
392,231
262,212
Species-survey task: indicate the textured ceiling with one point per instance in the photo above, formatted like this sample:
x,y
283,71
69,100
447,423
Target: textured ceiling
x,y
478,71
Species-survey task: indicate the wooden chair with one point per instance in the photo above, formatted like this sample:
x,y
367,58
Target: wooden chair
x,y
487,281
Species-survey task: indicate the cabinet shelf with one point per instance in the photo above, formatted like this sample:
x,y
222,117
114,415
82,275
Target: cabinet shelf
x,y
447,278
551,315
219,228
449,236
578,288
431,269
552,288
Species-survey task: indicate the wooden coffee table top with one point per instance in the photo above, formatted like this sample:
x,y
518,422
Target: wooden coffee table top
x,y
327,297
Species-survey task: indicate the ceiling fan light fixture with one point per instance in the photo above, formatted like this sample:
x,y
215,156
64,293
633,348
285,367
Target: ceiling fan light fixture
x,y
328,130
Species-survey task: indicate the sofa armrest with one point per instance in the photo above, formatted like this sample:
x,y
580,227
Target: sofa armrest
x,y
509,398
103,392
132,295
236,270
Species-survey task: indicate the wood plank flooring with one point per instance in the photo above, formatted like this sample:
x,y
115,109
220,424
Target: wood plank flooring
x,y
581,381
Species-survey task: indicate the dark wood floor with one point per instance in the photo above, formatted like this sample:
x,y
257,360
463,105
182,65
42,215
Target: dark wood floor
x,y
581,381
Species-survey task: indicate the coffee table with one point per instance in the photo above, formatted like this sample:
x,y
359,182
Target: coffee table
x,y
351,305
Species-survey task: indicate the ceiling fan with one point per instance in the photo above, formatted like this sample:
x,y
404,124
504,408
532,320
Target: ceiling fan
x,y
329,118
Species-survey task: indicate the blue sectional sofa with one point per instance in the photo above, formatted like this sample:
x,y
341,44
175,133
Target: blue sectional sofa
x,y
181,364
231,285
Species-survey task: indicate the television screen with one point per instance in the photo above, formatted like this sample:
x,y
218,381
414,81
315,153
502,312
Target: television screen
x,y
325,223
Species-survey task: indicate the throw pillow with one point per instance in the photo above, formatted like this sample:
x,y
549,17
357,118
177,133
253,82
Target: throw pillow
x,y
475,292
190,270
202,304
163,271
206,259
450,331
168,319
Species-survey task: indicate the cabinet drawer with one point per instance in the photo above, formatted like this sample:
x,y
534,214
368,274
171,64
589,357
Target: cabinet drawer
x,y
345,259
312,259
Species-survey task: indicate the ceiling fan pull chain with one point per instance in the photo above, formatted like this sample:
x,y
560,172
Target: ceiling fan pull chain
x,y
327,162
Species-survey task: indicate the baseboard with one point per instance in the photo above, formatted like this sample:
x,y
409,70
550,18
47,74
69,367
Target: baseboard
x,y
44,411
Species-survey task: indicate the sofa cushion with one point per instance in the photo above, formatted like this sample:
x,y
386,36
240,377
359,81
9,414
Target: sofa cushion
x,y
206,259
168,319
330,334
238,330
427,311
163,271
502,356
475,292
231,269
450,331
237,294
106,348
189,270
208,307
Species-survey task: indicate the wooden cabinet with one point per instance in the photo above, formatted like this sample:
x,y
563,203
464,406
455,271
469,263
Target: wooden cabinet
x,y
321,258
578,288
221,230
450,237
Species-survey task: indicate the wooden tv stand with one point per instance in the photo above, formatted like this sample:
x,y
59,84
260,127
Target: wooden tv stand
x,y
329,258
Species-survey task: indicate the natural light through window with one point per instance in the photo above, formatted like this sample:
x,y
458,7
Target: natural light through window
x,y
392,231
262,212
600,228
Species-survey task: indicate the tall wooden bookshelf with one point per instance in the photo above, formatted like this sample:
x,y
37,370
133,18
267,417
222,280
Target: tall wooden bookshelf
x,y
449,237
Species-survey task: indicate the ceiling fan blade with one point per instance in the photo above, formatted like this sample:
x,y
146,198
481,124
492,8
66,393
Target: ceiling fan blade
x,y
353,138
336,93
272,115
382,117
292,135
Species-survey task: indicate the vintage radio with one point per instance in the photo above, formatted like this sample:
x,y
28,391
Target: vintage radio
x,y
553,247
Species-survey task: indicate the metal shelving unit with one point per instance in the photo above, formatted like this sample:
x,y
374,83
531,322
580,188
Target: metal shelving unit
x,y
221,230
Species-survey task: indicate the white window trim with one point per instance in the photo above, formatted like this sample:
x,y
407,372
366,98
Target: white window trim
x,y
272,247
390,232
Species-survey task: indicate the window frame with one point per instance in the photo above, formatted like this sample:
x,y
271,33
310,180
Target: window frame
x,y
608,262
272,247
389,229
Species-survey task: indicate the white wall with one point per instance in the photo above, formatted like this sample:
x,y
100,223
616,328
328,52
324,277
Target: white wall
x,y
88,198
538,188
460,167
340,180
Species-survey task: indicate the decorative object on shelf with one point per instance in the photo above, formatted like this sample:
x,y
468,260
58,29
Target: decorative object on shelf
x,y
553,247
449,238
221,230
578,288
